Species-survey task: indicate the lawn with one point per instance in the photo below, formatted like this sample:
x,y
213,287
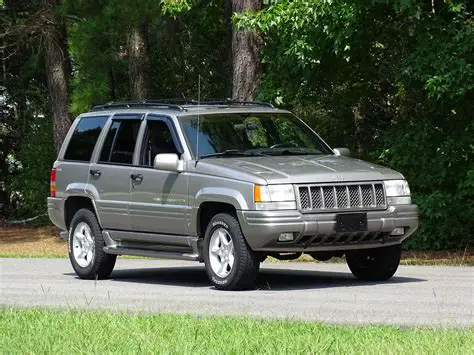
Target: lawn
x,y
50,331
43,242
31,242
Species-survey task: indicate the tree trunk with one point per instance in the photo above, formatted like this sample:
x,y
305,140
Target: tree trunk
x,y
246,46
58,70
229,34
139,62
359,118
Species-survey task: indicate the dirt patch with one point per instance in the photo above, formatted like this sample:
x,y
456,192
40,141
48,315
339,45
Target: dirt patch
x,y
31,242
45,242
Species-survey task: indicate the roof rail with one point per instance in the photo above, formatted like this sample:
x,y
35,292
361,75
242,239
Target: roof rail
x,y
210,102
137,103
235,102
176,104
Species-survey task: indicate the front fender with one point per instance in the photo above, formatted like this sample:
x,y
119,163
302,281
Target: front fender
x,y
223,195
230,196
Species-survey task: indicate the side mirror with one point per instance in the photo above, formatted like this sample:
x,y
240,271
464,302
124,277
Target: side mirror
x,y
342,151
168,162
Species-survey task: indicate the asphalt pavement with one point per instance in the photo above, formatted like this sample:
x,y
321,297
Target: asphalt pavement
x,y
417,295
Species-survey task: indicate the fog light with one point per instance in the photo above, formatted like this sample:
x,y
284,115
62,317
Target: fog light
x,y
286,237
398,231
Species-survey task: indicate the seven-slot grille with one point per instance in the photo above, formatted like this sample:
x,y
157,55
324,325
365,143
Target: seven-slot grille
x,y
341,197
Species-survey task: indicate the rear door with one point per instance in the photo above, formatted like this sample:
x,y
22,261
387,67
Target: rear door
x,y
159,199
110,174
73,166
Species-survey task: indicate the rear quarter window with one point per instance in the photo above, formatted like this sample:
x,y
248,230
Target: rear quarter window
x,y
83,140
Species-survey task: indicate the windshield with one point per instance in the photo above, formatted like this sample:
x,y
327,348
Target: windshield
x,y
252,134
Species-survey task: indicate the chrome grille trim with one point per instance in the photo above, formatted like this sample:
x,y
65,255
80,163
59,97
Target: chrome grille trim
x,y
341,197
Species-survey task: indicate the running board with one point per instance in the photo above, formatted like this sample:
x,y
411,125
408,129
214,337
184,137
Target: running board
x,y
151,253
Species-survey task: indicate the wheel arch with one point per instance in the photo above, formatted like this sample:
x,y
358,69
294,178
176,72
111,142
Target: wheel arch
x,y
212,201
207,210
73,204
77,196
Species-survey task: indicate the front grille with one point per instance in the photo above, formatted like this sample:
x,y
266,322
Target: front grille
x,y
342,197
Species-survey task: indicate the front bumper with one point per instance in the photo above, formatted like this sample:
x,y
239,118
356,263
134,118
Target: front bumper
x,y
316,231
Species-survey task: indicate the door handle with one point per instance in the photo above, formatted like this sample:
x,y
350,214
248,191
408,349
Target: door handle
x,y
137,177
95,172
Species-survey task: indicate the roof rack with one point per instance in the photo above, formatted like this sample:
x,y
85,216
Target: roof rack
x,y
211,102
137,103
236,102
177,104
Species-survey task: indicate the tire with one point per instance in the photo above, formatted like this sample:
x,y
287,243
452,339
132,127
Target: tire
x,y
236,267
378,264
86,253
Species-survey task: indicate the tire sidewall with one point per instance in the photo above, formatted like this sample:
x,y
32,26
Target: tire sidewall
x,y
220,221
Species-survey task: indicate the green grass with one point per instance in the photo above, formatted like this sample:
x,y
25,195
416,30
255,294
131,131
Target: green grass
x,y
70,331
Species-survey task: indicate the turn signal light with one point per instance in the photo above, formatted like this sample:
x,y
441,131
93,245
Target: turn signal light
x,y
257,193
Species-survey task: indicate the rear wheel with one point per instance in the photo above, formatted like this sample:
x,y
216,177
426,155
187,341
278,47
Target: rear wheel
x,y
230,263
86,247
378,264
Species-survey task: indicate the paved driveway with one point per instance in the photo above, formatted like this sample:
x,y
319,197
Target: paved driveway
x,y
417,295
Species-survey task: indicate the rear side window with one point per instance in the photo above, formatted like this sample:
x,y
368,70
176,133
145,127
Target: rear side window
x,y
84,138
120,142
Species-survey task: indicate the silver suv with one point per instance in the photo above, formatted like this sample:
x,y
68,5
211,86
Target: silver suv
x,y
224,183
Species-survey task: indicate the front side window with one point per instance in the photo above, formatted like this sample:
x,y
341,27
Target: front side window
x,y
120,141
252,134
84,138
157,140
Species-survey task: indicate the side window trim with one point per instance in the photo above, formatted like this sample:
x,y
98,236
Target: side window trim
x,y
128,116
138,147
113,141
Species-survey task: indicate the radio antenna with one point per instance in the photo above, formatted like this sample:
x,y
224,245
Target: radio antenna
x,y
198,122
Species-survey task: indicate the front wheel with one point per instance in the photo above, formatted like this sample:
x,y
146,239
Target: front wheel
x,y
378,264
230,263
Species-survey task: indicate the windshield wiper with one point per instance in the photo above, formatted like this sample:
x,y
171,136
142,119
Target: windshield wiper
x,y
292,151
231,153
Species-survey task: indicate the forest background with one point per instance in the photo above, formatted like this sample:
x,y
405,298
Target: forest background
x,y
393,80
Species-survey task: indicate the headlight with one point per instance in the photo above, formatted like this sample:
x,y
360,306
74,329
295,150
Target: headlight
x,y
398,192
274,197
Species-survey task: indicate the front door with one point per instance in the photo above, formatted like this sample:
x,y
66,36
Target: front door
x,y
159,199
111,173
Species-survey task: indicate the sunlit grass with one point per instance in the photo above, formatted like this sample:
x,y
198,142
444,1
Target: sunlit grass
x,y
71,331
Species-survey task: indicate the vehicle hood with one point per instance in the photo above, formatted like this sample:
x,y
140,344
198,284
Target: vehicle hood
x,y
305,169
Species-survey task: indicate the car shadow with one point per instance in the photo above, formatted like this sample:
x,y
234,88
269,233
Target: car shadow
x,y
289,279
268,279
